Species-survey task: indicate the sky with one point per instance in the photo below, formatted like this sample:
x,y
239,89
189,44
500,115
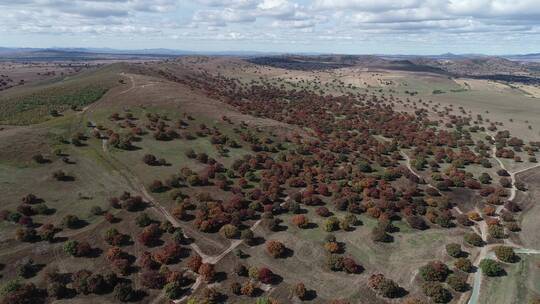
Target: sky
x,y
322,26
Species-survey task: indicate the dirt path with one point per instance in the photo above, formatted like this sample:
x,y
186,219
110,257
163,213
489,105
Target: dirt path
x,y
132,86
408,164
477,278
139,188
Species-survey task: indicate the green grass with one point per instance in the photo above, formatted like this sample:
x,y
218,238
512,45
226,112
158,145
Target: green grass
x,y
520,285
32,104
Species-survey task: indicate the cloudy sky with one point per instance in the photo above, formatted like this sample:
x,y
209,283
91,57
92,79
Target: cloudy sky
x,y
337,26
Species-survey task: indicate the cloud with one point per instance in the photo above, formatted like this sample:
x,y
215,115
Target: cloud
x,y
281,21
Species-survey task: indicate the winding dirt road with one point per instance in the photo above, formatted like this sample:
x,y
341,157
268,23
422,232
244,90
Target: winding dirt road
x,y
484,252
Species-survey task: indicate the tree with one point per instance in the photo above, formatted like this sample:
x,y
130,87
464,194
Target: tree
x,y
229,231
70,247
22,294
173,290
194,263
496,231
248,289
350,266
207,271
248,236
491,267
150,159
300,221
463,264
505,254
26,268
168,254
299,290
474,239
83,249
378,234
57,290
265,276
150,235
457,282
26,234
240,270
383,286
124,292
210,295
143,220
39,159
334,262
416,222
331,224
434,271
485,178
454,250
236,288
275,248
436,292
332,247
70,221
323,211
152,279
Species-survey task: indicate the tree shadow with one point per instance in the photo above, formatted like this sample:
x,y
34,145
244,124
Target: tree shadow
x,y
220,276
311,226
310,295
95,253
287,253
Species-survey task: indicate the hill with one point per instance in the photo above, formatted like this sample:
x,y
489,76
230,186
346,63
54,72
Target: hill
x,y
328,179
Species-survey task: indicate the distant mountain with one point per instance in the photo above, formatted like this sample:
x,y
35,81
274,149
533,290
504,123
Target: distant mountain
x,y
524,57
93,53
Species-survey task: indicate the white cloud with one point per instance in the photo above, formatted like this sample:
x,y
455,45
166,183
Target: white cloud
x,y
280,21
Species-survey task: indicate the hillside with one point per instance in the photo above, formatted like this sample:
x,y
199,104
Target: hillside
x,y
325,179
